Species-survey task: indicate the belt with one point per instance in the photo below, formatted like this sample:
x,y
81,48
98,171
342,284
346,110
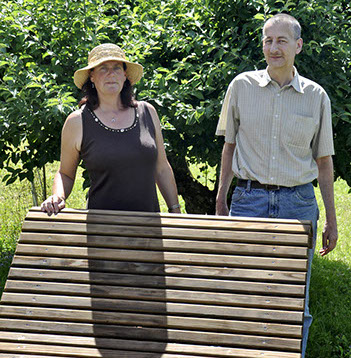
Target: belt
x,y
257,185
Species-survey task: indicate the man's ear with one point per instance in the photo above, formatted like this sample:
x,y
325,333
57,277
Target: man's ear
x,y
299,44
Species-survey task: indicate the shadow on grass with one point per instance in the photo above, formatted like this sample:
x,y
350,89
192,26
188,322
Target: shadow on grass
x,y
330,305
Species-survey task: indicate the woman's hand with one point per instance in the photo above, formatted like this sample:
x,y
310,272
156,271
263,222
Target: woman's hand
x,y
53,204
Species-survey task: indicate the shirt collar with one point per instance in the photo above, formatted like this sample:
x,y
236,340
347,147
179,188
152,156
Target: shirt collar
x,y
296,82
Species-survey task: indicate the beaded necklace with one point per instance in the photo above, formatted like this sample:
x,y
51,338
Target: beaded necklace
x,y
120,130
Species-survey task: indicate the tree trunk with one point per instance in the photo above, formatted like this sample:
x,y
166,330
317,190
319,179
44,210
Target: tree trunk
x,y
45,194
34,193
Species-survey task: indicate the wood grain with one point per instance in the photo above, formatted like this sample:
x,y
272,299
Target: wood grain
x,y
92,283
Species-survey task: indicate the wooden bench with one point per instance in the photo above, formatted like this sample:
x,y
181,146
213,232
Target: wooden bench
x,y
145,285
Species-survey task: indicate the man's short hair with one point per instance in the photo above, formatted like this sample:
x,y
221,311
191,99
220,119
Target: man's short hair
x,y
295,26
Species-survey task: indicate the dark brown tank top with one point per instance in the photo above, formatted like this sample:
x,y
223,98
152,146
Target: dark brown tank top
x,y
121,163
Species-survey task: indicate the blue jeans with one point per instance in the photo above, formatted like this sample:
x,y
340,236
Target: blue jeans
x,y
298,202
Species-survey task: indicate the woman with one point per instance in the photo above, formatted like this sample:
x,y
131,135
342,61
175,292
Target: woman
x,y
119,140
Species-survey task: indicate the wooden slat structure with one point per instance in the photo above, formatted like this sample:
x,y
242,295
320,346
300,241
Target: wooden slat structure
x,y
90,283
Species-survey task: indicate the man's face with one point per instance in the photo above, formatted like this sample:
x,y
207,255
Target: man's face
x,y
280,46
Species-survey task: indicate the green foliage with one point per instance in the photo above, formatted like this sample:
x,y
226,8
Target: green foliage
x,y
190,50
42,42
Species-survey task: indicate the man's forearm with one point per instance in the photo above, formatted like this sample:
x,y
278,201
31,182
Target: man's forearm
x,y
326,185
226,175
225,179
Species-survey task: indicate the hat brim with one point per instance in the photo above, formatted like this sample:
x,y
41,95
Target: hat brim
x,y
134,71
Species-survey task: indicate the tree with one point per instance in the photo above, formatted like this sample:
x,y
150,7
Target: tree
x,y
190,50
42,42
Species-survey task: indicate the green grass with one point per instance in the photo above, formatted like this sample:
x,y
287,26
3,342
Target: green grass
x,y
14,203
330,294
330,334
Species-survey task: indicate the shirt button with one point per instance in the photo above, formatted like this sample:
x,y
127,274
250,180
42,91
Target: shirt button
x,y
278,95
276,116
272,178
275,137
273,158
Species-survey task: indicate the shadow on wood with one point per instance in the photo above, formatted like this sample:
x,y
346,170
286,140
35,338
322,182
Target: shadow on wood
x,y
127,286
145,285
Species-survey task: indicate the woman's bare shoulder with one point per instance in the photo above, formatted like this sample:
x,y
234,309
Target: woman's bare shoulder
x,y
74,120
75,116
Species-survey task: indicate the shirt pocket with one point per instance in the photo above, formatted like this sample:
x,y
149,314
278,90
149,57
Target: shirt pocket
x,y
298,130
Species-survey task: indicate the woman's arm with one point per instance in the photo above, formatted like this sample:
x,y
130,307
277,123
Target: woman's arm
x,y
164,173
71,139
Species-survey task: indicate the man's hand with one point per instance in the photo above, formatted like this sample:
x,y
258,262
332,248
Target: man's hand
x,y
329,239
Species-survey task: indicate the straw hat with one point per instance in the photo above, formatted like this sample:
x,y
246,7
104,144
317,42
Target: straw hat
x,y
103,53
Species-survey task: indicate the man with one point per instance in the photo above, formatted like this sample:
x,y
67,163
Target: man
x,y
278,139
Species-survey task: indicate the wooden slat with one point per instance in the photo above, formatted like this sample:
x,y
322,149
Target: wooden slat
x,y
261,342
156,269
138,231
236,326
180,221
218,218
169,308
148,218
164,257
146,293
157,281
97,353
21,355
125,345
255,342
63,351
130,332
224,235
91,224
168,232
239,353
151,320
162,282
163,245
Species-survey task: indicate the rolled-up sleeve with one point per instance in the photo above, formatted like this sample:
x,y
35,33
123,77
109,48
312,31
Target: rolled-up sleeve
x,y
228,123
322,144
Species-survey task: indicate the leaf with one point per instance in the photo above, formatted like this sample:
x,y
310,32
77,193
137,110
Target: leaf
x,y
260,17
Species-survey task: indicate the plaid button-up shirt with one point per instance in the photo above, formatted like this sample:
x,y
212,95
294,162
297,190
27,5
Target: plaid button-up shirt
x,y
278,132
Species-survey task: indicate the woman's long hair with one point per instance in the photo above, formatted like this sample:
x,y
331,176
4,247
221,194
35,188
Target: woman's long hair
x,y
91,98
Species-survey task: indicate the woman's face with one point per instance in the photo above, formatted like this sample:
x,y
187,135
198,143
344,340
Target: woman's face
x,y
108,77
